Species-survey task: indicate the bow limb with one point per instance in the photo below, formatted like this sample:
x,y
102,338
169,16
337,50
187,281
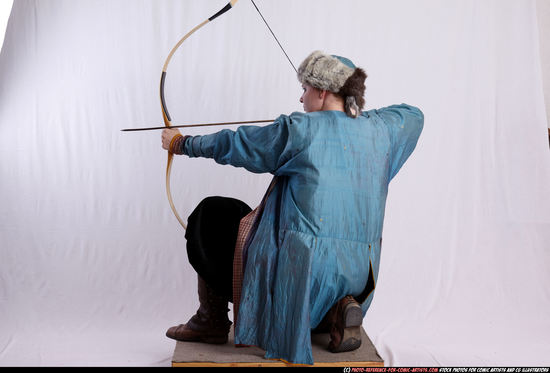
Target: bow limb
x,y
168,192
166,115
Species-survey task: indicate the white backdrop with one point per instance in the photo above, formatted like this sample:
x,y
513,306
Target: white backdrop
x,y
5,9
93,267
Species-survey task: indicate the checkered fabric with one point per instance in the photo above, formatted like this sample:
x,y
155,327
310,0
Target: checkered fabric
x,y
245,227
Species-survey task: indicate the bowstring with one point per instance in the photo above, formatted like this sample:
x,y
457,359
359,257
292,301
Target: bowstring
x,y
272,33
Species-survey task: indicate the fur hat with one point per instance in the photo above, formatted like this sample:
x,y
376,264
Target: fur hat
x,y
338,75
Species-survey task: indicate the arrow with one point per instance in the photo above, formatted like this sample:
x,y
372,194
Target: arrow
x,y
197,125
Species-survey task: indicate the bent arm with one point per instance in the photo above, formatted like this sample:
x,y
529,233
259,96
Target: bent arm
x,y
405,124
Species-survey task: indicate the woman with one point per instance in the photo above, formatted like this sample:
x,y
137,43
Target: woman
x,y
312,248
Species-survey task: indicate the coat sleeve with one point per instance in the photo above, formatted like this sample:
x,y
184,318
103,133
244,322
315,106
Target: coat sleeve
x,y
405,124
257,149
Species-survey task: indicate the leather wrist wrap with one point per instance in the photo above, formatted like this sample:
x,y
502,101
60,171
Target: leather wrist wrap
x,y
176,145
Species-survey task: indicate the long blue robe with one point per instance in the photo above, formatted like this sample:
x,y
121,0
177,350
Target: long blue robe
x,y
319,237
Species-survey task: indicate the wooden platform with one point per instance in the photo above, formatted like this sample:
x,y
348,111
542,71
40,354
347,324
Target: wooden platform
x,y
192,354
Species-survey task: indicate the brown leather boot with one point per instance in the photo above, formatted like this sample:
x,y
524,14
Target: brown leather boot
x,y
346,318
210,324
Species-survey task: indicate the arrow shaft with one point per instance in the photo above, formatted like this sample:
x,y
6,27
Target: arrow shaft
x,y
196,125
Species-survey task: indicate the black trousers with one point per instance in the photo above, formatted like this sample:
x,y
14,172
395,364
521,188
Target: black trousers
x,y
211,235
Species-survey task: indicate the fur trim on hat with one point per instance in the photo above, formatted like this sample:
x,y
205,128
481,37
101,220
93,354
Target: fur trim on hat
x,y
324,72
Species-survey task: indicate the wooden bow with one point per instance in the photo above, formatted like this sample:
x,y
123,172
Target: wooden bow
x,y
166,115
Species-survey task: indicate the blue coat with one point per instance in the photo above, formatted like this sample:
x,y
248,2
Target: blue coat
x,y
319,236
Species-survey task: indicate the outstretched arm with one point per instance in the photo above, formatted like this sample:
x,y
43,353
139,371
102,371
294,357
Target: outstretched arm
x,y
258,149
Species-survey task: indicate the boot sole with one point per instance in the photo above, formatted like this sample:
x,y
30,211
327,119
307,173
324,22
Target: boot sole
x,y
351,340
353,315
353,319
209,340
